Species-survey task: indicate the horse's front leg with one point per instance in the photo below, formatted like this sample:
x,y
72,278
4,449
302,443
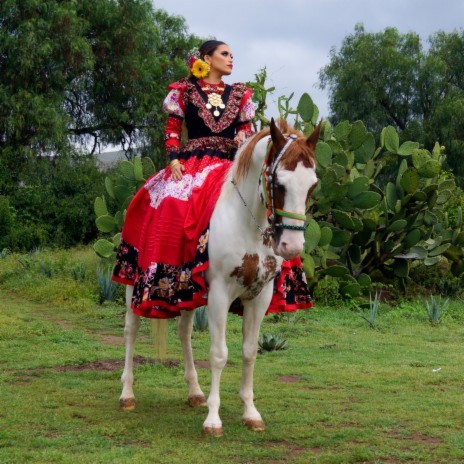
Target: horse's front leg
x,y
127,399
218,307
253,314
195,395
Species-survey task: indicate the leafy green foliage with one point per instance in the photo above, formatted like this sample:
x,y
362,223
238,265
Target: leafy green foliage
x,y
76,76
327,292
54,205
390,78
377,208
126,179
89,71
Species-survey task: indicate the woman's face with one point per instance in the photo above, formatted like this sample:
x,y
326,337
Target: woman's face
x,y
221,61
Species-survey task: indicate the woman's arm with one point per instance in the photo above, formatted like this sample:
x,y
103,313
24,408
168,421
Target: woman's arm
x,y
174,106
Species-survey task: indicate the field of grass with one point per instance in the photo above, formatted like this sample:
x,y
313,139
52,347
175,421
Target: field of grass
x,y
341,392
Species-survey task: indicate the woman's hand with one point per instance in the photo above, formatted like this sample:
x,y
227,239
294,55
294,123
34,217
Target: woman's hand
x,y
176,171
240,138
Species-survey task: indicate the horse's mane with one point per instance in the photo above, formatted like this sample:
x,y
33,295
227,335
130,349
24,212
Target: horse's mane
x,y
243,162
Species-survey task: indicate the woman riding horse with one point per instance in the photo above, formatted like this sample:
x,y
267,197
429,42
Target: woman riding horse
x,y
163,251
259,210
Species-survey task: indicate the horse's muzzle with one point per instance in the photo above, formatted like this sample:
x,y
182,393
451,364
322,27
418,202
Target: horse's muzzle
x,y
288,249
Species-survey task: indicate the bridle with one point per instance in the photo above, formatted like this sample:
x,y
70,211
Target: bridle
x,y
267,180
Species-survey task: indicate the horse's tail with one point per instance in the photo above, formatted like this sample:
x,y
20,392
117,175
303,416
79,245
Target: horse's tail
x,y
160,337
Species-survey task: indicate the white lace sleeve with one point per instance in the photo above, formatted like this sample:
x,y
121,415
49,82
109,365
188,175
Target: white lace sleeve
x,y
171,103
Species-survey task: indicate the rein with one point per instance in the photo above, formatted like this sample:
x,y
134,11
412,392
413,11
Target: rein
x,y
267,179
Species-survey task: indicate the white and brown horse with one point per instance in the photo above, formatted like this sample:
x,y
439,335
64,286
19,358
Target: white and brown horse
x,y
258,221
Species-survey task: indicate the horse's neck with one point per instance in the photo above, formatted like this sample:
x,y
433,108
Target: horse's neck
x,y
248,185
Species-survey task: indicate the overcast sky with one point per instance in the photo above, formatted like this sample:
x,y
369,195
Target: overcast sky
x,y
293,38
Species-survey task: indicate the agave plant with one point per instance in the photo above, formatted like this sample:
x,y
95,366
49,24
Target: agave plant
x,y
200,319
107,287
435,308
78,271
372,312
269,342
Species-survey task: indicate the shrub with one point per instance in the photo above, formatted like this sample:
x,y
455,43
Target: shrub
x,y
54,207
327,292
6,220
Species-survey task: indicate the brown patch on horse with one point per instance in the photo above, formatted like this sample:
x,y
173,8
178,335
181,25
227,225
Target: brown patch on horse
x,y
279,197
301,150
267,240
253,275
311,190
270,268
247,273
298,151
246,155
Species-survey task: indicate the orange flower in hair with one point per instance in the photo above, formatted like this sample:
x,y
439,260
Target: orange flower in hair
x,y
200,69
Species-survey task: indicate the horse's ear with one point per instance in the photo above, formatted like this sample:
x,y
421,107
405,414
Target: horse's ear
x,y
314,137
277,138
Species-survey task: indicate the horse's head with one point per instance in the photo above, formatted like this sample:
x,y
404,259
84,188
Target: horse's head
x,y
289,178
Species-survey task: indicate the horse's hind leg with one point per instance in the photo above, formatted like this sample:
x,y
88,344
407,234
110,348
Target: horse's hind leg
x,y
127,399
252,317
195,395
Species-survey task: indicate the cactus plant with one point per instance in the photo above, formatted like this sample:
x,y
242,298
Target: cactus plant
x,y
120,188
361,226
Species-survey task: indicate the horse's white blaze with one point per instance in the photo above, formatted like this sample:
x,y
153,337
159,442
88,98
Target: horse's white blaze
x,y
296,183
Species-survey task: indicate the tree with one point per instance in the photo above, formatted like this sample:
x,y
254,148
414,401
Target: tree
x,y
75,76
87,72
388,78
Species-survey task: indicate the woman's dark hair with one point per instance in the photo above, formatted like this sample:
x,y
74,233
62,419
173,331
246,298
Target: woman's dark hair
x,y
209,47
206,48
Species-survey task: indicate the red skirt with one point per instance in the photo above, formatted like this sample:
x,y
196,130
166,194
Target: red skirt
x,y
163,251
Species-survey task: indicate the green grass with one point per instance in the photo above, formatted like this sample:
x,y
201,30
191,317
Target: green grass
x,y
341,392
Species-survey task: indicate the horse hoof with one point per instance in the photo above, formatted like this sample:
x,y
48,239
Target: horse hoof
x,y
254,424
127,404
196,401
213,431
